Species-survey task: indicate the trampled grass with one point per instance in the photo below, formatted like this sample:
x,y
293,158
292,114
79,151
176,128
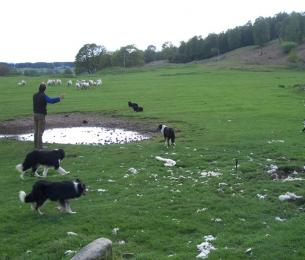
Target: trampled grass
x,y
163,213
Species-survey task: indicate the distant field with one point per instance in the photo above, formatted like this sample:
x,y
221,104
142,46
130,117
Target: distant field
x,y
163,213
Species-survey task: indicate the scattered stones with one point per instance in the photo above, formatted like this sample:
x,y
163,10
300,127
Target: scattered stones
x,y
70,233
167,162
205,247
100,248
289,196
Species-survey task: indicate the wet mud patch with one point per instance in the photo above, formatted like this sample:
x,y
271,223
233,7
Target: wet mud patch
x,y
285,172
74,128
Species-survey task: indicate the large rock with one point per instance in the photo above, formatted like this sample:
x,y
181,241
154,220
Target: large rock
x,y
99,249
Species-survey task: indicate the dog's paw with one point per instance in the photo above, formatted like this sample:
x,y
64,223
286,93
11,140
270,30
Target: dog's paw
x,y
40,212
37,175
71,212
61,209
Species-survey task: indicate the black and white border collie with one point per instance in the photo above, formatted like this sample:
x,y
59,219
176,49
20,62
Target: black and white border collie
x,y
135,107
47,158
168,133
54,191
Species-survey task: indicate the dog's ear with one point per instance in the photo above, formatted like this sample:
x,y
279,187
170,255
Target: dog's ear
x,y
62,152
81,188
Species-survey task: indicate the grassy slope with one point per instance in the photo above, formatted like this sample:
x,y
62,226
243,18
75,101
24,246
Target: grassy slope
x,y
221,115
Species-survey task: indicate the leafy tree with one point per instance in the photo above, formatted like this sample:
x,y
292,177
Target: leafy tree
x,y
211,45
4,69
150,53
261,31
223,42
168,51
180,55
234,38
88,58
128,56
275,29
68,71
246,34
293,28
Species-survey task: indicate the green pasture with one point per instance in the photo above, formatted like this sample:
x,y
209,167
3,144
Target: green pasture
x,y
220,115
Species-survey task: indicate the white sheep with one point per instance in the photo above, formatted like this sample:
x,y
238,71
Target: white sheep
x,y
69,83
22,83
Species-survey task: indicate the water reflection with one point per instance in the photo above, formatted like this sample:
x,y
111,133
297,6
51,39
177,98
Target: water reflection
x,y
84,135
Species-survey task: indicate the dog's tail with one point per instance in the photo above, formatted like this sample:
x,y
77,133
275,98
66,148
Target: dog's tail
x,y
24,198
173,137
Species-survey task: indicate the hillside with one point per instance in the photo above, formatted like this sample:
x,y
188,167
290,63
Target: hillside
x,y
269,55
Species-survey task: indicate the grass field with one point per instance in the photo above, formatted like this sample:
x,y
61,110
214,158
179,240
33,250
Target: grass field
x,y
163,213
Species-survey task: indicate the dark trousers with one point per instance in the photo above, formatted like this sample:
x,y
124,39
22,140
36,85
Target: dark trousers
x,y
39,126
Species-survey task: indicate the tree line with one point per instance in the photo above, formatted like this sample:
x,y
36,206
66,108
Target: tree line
x,y
288,28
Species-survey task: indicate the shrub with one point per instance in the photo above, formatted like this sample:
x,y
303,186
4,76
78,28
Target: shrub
x,y
292,56
4,70
288,46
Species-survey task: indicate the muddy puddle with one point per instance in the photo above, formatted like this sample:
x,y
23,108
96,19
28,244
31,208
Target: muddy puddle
x,y
84,135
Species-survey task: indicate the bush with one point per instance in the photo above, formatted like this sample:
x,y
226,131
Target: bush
x,y
4,70
288,46
292,56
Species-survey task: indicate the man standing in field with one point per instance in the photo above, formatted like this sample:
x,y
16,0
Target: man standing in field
x,y
40,100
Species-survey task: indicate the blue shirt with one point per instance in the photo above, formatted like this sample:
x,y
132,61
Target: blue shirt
x,y
52,100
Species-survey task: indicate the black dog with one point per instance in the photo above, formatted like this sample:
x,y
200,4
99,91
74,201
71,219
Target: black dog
x,y
168,133
138,109
42,157
135,107
54,191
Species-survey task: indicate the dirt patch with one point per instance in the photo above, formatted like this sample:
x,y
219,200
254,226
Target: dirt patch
x,y
285,172
25,125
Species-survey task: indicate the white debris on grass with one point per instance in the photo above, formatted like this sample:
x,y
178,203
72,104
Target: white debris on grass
x,y
289,196
289,178
248,251
70,233
28,251
201,210
177,191
69,252
101,190
205,247
275,141
280,219
115,231
261,196
217,220
171,255
167,162
250,159
222,184
272,168
133,170
210,174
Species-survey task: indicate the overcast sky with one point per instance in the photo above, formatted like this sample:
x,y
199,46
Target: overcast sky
x,y
55,30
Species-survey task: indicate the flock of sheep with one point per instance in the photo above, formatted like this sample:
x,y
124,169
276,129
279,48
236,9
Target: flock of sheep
x,y
79,84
